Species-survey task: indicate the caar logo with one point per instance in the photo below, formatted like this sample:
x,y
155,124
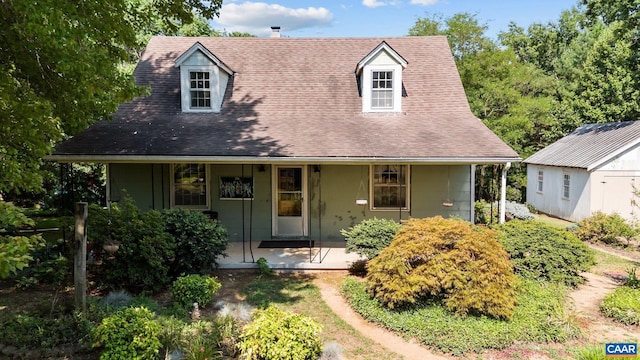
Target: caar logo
x,y
621,350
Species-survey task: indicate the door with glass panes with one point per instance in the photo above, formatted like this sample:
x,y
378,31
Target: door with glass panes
x,y
289,209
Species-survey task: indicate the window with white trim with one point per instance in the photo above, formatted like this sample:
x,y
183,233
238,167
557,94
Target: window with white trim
x,y
540,180
390,187
566,186
189,186
200,89
382,90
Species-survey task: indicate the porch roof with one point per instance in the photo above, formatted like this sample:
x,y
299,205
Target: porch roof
x,y
294,100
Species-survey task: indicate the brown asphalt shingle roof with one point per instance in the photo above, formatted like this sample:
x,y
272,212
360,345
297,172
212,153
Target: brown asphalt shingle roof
x,y
296,98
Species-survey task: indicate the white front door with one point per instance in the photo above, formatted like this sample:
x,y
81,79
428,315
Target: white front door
x,y
290,188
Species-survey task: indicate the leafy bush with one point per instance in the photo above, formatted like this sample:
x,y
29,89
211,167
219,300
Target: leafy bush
x,y
131,333
370,236
34,331
623,305
605,228
263,268
117,299
518,211
448,259
15,249
190,289
539,317
542,252
280,335
198,240
143,259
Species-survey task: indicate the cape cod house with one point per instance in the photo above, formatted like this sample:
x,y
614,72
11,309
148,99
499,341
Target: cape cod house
x,y
595,168
285,138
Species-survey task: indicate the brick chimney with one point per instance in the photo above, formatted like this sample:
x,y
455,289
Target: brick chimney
x,y
275,31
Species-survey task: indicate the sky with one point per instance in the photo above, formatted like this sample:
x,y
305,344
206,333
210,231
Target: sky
x,y
376,18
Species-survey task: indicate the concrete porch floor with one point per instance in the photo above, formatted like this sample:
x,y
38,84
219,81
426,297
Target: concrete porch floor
x,y
331,256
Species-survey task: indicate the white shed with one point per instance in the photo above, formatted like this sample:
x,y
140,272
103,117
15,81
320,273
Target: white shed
x,y
595,168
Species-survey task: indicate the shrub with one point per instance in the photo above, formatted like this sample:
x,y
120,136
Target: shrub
x,y
263,268
623,305
190,289
117,299
542,252
130,333
605,228
518,211
370,236
446,259
280,335
198,240
142,261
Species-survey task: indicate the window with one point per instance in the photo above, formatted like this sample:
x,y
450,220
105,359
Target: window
x,y
390,186
189,185
540,180
566,186
200,89
382,90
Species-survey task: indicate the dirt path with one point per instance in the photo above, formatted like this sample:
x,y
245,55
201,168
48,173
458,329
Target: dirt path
x,y
621,253
409,350
586,301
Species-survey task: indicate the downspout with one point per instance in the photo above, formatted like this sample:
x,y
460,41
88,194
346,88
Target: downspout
x,y
503,192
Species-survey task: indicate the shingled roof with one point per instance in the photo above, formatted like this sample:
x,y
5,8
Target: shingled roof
x,y
589,145
294,99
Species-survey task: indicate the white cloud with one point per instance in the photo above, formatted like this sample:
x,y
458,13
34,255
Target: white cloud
x,y
373,3
424,2
258,17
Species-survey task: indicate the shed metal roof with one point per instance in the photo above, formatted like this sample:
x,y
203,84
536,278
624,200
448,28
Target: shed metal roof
x,y
589,146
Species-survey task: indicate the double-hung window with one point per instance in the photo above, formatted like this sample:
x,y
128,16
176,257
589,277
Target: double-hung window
x,y
200,89
566,186
189,185
382,90
540,180
390,187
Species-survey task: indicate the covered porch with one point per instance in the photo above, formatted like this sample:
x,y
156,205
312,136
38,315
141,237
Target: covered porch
x,y
330,255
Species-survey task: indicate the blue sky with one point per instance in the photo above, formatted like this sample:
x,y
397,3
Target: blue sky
x,y
376,18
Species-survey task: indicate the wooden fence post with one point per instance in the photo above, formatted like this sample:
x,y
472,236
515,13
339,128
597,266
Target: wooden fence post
x,y
80,258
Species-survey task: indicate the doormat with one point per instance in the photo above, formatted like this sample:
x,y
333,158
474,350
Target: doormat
x,y
281,244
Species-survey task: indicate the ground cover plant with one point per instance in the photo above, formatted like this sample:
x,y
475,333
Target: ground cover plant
x,y
539,317
543,252
604,228
624,303
449,261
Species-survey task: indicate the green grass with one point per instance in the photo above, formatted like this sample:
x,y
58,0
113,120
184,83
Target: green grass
x,y
623,305
297,293
539,317
608,262
559,223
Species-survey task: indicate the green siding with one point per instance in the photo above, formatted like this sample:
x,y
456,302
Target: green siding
x,y
331,201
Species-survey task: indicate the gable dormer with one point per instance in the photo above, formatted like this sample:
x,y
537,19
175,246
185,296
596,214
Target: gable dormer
x,y
379,77
203,80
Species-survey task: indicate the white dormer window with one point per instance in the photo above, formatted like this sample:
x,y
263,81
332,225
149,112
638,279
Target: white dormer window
x,y
203,79
200,89
380,79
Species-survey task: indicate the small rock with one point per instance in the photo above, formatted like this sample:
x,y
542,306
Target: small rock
x,y
9,350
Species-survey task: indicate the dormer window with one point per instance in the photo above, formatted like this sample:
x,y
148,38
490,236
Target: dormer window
x,y
200,89
382,90
380,79
203,80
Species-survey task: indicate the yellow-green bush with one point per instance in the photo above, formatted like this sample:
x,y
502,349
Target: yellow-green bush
x,y
447,259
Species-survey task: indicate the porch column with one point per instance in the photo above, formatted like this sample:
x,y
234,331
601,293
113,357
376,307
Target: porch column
x,y
472,191
503,192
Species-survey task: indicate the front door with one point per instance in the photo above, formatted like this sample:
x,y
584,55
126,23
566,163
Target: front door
x,y
289,208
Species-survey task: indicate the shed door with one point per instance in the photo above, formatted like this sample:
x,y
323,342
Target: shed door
x,y
618,196
289,210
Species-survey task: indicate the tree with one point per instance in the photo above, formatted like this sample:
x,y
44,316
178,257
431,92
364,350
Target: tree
x,y
62,69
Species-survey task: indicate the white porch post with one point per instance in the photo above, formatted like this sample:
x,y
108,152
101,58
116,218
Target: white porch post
x,y
473,194
503,192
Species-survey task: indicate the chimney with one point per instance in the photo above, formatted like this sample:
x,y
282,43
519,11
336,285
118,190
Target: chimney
x,y
275,31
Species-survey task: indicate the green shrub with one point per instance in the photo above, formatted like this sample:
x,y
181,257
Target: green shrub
x,y
446,259
605,228
143,259
34,331
370,236
131,333
542,252
623,305
190,289
263,268
280,335
198,240
15,249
